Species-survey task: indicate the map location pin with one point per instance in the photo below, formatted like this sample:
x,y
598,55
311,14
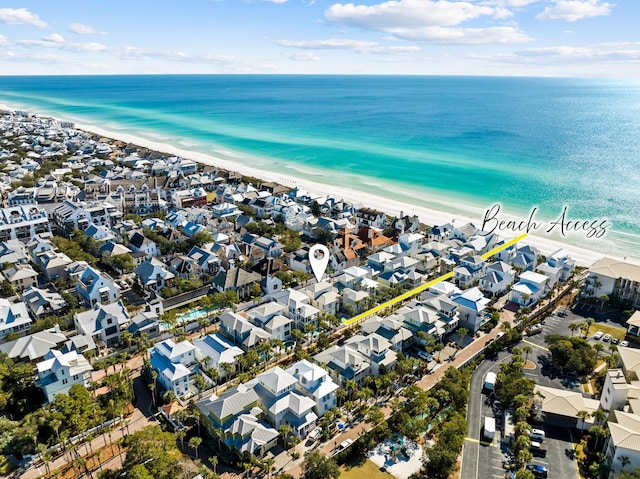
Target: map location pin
x,y
319,259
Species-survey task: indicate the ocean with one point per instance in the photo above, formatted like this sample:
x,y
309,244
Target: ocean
x,y
454,144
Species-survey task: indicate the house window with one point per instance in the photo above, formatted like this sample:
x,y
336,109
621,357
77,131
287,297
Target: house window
x,y
65,381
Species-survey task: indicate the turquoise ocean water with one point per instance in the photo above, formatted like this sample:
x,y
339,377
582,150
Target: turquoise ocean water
x,y
472,141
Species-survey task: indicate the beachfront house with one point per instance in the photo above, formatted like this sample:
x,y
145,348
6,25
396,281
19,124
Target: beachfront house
x,y
615,278
530,288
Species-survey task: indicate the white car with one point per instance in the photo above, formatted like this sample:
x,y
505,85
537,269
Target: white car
x,y
425,355
624,344
606,338
598,335
315,434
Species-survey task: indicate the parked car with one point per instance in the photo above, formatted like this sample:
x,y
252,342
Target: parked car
x,y
606,338
425,355
615,340
624,344
598,335
535,329
315,434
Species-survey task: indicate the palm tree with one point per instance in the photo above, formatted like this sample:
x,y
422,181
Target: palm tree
x,y
180,434
214,462
153,385
583,416
598,348
267,465
462,332
603,299
574,327
586,326
526,349
624,461
203,322
600,415
285,430
228,369
194,443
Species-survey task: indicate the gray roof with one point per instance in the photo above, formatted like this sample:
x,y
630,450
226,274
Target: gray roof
x,y
230,403
34,346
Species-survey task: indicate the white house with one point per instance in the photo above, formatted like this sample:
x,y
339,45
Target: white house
x,y
14,318
497,279
530,288
213,350
471,306
96,287
58,372
172,362
315,382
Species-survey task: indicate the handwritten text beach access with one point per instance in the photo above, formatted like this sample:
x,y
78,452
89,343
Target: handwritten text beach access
x,y
590,228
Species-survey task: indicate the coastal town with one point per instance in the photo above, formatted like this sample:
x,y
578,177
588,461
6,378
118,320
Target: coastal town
x,y
160,318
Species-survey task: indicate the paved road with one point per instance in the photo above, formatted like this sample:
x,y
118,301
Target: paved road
x,y
479,459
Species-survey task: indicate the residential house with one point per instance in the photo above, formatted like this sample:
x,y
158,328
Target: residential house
x,y
315,383
140,243
530,288
371,217
58,372
355,300
323,296
34,346
282,403
43,302
561,259
298,307
80,215
470,270
270,317
234,416
238,280
21,276
153,275
624,441
241,331
440,233
633,324
96,287
358,357
472,305
172,362
104,322
145,322
464,232
13,252
14,318
497,279
213,350
99,232
615,278
390,328
23,222
53,263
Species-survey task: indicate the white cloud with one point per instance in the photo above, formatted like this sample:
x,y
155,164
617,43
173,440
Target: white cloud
x,y
429,21
564,54
60,44
303,57
572,10
54,37
360,46
511,3
20,16
81,29
4,42
275,1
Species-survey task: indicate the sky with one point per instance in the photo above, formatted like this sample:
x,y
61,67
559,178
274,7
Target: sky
x,y
579,38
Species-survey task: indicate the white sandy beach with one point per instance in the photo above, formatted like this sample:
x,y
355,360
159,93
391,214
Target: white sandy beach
x,y
428,216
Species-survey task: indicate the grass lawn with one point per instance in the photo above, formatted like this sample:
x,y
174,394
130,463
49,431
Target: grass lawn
x,y
614,331
365,469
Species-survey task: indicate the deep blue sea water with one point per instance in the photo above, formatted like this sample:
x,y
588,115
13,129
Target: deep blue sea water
x,y
473,141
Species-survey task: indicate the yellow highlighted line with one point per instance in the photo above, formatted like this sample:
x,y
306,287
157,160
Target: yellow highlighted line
x,y
534,344
470,439
426,285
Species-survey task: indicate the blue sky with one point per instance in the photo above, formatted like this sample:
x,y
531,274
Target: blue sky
x,y
595,38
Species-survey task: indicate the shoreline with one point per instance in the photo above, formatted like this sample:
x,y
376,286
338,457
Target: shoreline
x,y
426,215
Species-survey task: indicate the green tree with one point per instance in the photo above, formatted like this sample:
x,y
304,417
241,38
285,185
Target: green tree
x,y
317,466
156,450
194,443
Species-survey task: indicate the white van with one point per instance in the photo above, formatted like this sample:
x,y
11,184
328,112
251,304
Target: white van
x,y
536,435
